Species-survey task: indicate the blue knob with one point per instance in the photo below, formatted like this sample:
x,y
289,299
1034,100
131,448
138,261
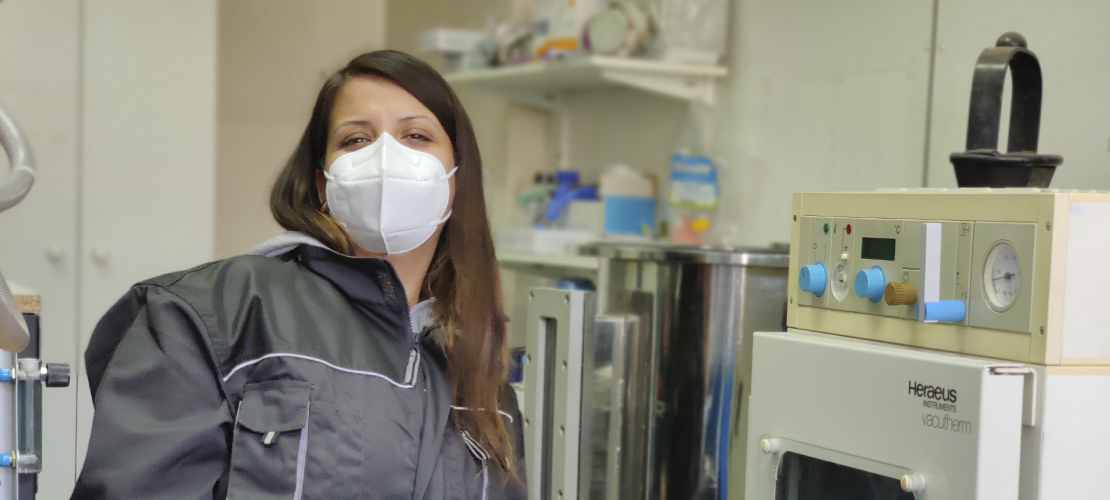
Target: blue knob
x,y
6,374
813,278
870,283
945,310
5,459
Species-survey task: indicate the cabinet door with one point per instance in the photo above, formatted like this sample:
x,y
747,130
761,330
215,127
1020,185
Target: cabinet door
x,y
38,245
148,151
885,411
1070,40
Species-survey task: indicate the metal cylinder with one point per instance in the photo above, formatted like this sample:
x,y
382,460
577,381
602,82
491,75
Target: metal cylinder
x,y
683,375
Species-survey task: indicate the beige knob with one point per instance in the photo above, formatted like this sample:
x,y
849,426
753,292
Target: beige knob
x,y
913,483
899,294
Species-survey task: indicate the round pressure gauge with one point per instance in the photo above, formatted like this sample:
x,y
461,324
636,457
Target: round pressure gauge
x,y
1001,276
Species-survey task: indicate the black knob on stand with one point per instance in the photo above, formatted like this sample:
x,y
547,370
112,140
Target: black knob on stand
x,y
57,375
982,165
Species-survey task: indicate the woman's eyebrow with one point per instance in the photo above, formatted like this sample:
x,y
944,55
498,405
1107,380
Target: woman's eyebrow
x,y
352,122
413,117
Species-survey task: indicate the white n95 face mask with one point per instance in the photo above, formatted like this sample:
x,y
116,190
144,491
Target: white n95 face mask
x,y
388,197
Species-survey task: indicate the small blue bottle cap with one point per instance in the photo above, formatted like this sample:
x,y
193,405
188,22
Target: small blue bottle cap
x,y
566,176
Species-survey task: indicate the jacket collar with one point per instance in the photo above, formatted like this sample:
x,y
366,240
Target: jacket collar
x,y
369,282
283,243
366,280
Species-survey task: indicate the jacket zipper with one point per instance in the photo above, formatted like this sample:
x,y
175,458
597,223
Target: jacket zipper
x,y
411,371
413,367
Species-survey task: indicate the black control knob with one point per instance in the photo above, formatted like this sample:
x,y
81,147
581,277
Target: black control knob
x,y
57,375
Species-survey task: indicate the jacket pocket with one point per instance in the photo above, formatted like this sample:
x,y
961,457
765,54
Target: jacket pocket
x,y
270,441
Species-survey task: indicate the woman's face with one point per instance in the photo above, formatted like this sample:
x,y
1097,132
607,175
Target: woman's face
x,y
366,107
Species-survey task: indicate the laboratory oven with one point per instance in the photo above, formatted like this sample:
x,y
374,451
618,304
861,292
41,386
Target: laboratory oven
x,y
943,344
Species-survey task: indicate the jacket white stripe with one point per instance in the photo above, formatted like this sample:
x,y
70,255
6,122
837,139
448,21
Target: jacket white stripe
x,y
302,455
463,408
475,448
485,480
482,455
245,364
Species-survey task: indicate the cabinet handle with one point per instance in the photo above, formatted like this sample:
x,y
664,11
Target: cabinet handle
x,y
99,255
55,254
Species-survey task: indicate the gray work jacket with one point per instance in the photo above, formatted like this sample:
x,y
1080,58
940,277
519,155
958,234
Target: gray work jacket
x,y
294,377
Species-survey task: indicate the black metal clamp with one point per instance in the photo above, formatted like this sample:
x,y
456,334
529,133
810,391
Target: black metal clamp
x,y
982,165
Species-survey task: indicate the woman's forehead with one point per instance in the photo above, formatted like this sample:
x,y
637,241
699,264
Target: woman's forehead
x,y
378,100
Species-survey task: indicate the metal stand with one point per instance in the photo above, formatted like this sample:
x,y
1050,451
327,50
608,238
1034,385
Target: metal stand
x,y
29,374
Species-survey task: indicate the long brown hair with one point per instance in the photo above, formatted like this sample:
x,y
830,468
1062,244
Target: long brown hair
x,y
463,267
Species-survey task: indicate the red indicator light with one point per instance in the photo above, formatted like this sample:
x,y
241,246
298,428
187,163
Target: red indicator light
x,y
848,229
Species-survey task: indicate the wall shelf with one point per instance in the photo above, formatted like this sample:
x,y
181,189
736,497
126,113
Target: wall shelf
x,y
556,265
542,83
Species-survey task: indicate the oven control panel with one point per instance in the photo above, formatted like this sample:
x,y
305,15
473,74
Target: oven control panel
x,y
874,266
976,271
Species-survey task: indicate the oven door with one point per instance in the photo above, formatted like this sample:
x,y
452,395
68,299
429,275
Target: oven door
x,y
838,418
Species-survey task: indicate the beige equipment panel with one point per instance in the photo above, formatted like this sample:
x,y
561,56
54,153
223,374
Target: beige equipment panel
x,y
1011,256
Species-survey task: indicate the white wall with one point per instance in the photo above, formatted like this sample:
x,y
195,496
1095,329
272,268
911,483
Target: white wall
x,y
828,96
274,55
822,96
1072,44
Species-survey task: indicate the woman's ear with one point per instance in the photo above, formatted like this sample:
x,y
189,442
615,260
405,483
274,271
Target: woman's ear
x,y
321,190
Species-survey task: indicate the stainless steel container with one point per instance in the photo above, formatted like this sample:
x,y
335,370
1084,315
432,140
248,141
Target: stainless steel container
x,y
639,392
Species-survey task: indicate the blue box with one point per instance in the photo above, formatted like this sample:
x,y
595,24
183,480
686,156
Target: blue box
x,y
629,214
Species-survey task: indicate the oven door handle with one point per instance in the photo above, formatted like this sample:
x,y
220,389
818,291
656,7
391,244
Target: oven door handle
x,y
1029,396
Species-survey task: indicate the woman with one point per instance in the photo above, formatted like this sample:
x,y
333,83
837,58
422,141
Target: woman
x,y
360,355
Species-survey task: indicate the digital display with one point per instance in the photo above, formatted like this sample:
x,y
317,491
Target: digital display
x,y
877,249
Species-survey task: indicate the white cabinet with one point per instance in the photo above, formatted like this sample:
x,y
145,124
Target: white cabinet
x,y
148,146
38,238
118,102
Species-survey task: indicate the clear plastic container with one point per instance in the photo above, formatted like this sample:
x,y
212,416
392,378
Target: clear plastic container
x,y
693,188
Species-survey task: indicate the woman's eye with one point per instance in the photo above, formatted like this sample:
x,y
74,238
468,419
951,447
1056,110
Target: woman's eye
x,y
351,140
419,137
